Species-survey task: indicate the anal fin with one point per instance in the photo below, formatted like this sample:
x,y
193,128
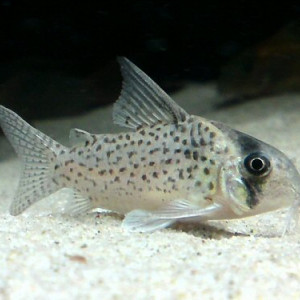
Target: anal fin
x,y
79,204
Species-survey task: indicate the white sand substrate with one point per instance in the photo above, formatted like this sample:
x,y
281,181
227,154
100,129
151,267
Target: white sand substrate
x,y
45,254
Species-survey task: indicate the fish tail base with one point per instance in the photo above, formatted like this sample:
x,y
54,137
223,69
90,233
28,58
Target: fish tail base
x,y
38,153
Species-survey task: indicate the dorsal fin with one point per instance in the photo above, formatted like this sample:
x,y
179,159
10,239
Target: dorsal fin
x,y
79,137
142,102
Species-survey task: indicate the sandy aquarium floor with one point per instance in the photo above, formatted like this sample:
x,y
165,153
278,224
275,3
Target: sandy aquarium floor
x,y
45,254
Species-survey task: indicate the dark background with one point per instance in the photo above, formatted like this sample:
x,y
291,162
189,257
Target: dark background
x,y
58,57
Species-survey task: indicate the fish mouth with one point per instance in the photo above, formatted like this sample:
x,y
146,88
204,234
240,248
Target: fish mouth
x,y
292,214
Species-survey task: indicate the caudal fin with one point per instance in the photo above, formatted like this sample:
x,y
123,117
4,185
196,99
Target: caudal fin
x,y
38,153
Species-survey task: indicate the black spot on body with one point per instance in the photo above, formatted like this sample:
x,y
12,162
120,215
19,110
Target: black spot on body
x,y
202,142
166,150
195,155
102,172
212,135
187,154
170,179
199,128
69,162
181,174
194,143
206,171
72,150
144,177
154,150
168,161
130,154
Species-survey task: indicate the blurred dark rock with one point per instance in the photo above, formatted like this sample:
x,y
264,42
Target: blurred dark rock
x,y
272,67
49,88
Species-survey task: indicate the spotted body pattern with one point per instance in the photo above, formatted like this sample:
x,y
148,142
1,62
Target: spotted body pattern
x,y
145,168
172,167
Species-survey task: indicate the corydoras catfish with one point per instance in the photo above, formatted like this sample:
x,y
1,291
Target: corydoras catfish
x,y
168,166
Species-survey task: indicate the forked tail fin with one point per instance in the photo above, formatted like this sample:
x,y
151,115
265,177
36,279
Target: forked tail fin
x,y
38,153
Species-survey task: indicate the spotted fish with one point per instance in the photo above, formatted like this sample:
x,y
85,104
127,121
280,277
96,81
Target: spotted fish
x,y
170,166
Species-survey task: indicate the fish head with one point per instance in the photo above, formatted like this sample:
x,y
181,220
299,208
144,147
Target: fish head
x,y
258,178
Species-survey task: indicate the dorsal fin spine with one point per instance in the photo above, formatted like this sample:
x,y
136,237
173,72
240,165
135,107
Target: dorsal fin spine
x,y
142,102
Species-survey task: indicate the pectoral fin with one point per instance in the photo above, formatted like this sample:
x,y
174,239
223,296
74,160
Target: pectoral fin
x,y
148,221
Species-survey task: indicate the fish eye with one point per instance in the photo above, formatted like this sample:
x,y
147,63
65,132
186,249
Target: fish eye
x,y
257,164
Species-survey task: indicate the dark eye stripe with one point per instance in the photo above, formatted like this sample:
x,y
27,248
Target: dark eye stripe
x,y
252,199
